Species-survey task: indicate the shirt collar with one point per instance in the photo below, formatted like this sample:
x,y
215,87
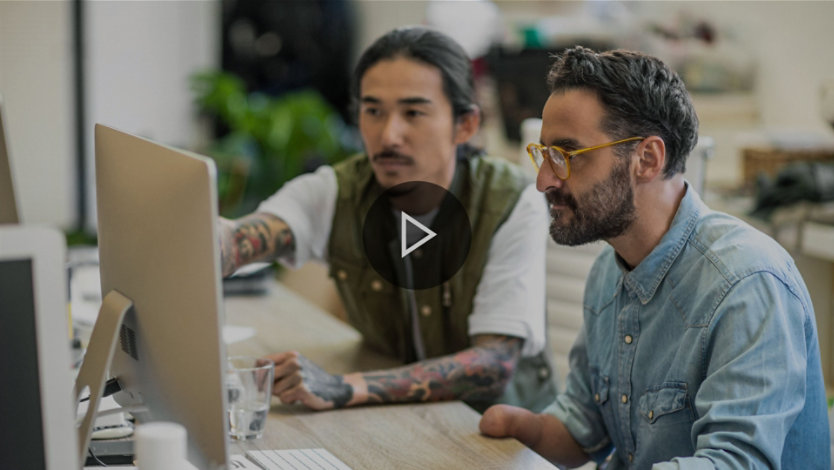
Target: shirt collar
x,y
646,277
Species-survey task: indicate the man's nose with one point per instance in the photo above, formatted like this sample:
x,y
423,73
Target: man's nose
x,y
392,131
546,179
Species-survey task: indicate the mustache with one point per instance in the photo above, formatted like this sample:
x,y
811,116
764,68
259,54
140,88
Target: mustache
x,y
557,198
392,155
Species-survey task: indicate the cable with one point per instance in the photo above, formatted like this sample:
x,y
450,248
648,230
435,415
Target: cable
x,y
90,451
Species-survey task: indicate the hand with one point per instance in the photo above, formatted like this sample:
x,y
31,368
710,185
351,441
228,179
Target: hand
x,y
501,420
298,379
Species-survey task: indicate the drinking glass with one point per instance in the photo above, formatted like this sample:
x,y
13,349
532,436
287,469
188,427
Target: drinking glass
x,y
249,388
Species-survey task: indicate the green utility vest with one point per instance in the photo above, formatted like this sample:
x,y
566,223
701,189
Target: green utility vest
x,y
488,189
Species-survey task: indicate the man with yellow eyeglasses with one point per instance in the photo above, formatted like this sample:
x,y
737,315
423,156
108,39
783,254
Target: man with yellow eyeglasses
x,y
699,346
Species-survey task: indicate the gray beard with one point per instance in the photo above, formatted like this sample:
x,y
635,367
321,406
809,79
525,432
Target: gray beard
x,y
607,211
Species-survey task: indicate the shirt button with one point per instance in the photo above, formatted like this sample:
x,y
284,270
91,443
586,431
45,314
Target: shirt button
x,y
418,253
544,373
596,397
628,339
624,398
376,285
341,274
425,310
630,458
651,414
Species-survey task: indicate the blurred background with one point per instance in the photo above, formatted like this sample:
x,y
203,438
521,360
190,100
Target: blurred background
x,y
262,86
184,73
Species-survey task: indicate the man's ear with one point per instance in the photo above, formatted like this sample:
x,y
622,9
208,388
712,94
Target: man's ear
x,y
467,125
651,158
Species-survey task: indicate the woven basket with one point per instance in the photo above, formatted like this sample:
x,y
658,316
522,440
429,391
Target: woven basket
x,y
771,160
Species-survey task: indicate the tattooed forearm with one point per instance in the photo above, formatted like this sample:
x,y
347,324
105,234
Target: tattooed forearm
x,y
330,388
478,373
256,237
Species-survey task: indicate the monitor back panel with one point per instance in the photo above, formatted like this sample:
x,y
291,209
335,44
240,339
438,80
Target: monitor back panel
x,y
158,246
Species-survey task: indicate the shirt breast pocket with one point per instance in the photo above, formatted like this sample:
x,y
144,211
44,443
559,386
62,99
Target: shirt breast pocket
x,y
666,405
600,386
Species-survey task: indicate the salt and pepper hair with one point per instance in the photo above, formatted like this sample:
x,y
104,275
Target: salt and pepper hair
x,y
641,96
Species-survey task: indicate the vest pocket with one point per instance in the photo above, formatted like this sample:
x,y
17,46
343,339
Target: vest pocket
x,y
373,306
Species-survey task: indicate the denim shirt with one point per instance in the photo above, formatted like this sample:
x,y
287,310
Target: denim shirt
x,y
705,355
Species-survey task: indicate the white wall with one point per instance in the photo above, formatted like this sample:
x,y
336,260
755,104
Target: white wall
x,y
35,72
139,58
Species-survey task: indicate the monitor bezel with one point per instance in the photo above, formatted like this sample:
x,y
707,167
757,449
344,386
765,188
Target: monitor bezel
x,y
46,249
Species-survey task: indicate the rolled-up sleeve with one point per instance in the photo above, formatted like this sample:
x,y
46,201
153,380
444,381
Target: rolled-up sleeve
x,y
576,407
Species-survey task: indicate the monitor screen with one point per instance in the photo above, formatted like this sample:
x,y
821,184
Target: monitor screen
x,y
21,445
157,215
36,420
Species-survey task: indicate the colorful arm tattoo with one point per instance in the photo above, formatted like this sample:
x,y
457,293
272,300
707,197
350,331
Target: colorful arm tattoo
x,y
256,237
475,374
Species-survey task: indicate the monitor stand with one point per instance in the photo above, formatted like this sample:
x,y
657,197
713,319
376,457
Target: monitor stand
x,y
96,365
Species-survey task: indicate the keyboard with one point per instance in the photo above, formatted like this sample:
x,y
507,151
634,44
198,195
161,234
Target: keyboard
x,y
296,459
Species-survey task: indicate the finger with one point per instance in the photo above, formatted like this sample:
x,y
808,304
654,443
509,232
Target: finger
x,y
286,383
287,368
281,357
263,361
292,395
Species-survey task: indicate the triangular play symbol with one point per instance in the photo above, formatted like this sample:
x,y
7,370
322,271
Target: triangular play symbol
x,y
406,250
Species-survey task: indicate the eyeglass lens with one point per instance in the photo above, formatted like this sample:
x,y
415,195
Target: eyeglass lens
x,y
556,161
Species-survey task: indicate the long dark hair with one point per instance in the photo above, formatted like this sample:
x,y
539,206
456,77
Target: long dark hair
x,y
433,48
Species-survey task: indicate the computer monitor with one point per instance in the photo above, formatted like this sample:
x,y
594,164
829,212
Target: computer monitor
x,y
158,249
36,409
8,203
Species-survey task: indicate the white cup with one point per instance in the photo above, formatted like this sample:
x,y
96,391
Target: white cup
x,y
160,446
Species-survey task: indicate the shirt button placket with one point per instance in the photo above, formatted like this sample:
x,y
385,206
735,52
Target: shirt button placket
x,y
629,329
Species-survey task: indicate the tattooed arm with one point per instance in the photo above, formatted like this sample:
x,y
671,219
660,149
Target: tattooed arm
x,y
477,374
255,237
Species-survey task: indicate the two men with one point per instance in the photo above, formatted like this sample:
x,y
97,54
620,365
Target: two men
x,y
479,335
699,346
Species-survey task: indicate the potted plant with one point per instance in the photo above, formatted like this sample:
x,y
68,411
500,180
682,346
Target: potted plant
x,y
270,139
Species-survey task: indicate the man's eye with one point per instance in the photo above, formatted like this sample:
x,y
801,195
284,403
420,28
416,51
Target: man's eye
x,y
414,113
371,111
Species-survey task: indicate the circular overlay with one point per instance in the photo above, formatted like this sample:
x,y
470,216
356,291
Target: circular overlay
x,y
435,229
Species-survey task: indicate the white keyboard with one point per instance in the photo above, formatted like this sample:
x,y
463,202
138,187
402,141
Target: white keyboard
x,y
296,459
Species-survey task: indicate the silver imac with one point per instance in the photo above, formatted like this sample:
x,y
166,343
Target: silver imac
x,y
8,203
36,409
160,275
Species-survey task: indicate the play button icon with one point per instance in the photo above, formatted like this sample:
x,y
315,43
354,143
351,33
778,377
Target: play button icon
x,y
416,235
406,219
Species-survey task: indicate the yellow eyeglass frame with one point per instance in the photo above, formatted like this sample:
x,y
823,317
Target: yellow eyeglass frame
x,y
567,155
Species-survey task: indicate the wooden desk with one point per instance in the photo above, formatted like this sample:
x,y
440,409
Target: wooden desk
x,y
416,436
